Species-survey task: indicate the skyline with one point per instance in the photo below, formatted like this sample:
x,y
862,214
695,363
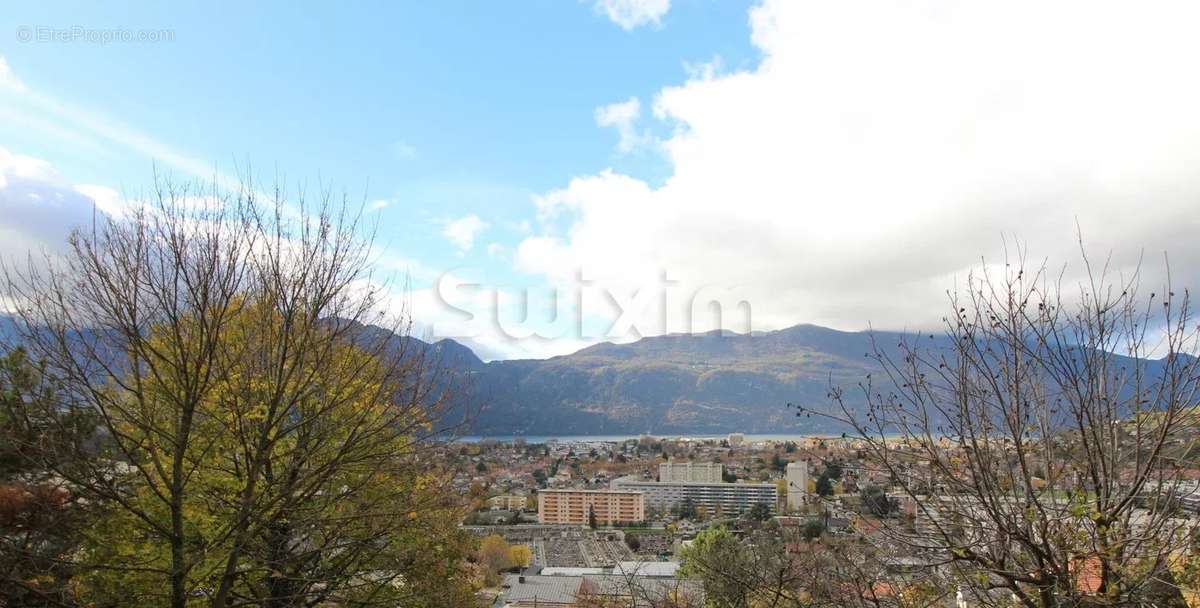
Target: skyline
x,y
829,165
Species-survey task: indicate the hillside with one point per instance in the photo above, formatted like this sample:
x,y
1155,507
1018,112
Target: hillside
x,y
701,383
679,383
676,384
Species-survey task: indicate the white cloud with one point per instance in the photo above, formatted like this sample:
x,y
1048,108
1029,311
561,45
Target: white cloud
x,y
462,231
8,79
106,199
629,14
623,116
378,204
38,207
495,322
78,123
878,151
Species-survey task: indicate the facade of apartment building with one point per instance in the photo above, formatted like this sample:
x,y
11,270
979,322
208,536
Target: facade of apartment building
x,y
509,502
574,506
727,498
704,472
797,484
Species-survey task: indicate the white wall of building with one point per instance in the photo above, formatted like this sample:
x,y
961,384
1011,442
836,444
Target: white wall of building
x,y
701,472
797,484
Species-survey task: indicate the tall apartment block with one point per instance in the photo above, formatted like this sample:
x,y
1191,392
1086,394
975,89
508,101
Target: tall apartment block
x,y
573,506
701,472
797,484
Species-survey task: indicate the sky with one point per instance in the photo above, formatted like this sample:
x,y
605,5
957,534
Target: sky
x,y
549,174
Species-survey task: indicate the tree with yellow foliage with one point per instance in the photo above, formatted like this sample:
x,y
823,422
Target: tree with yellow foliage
x,y
520,555
269,442
496,556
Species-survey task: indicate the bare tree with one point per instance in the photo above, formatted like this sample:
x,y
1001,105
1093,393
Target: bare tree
x,y
1030,440
779,568
269,426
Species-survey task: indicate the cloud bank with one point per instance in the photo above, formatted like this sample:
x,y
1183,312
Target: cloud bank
x,y
38,207
879,151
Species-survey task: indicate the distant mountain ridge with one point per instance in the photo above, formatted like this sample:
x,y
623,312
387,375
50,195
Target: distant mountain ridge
x,y
670,384
678,383
693,383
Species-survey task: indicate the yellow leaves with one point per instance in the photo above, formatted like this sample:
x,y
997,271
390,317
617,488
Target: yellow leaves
x,y
300,424
520,555
495,553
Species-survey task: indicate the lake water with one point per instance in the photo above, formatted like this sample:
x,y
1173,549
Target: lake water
x,y
750,438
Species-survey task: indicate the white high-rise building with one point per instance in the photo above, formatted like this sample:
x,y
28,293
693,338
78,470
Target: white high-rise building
x,y
736,439
703,472
797,484
716,497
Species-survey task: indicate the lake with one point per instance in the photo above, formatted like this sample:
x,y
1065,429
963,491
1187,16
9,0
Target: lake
x,y
750,438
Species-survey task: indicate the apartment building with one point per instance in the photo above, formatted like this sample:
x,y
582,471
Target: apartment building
x,y
728,498
704,472
510,502
797,484
573,506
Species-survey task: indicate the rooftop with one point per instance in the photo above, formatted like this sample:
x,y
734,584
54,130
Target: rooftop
x,y
556,589
647,568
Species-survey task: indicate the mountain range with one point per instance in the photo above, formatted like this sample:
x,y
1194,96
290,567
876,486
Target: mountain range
x,y
672,384
707,383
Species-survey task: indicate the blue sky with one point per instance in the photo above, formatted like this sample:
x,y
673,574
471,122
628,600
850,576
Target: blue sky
x,y
441,109
446,108
838,164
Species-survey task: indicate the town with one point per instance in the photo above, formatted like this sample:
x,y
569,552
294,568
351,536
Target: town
x,y
596,521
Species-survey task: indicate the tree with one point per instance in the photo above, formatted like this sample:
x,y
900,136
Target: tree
x,y
520,555
270,432
1041,418
781,568
592,518
778,463
40,515
704,558
760,512
754,573
877,502
633,542
824,485
496,556
813,528
686,509
833,469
